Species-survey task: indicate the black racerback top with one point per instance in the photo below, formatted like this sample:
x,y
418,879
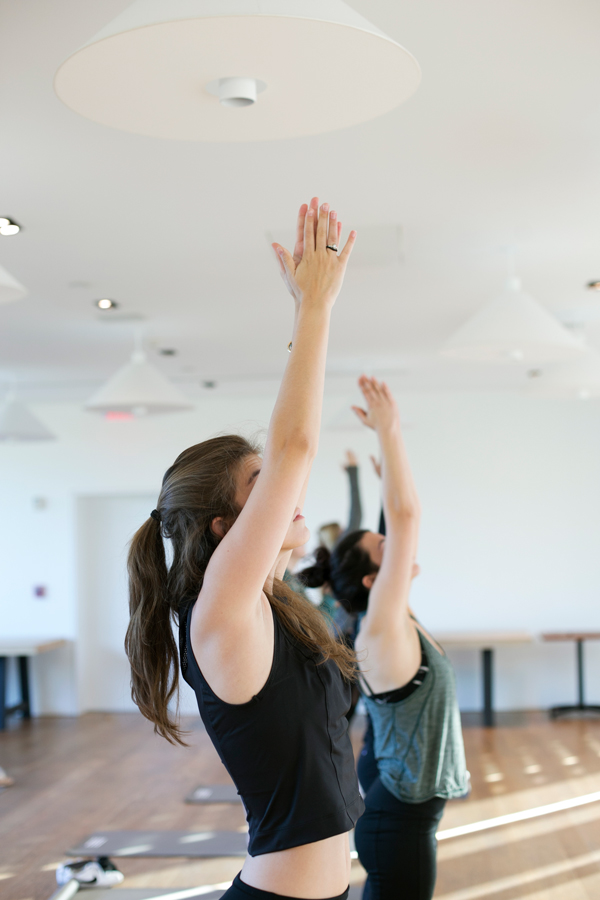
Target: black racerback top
x,y
287,749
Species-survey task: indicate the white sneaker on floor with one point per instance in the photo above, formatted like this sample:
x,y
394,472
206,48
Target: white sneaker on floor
x,y
91,873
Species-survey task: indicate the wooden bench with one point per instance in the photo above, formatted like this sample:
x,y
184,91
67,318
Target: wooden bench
x,y
22,650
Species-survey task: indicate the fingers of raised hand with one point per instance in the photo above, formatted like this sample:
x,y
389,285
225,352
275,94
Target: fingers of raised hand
x,y
332,230
309,231
345,254
322,227
376,465
279,257
386,392
375,385
365,384
299,246
361,413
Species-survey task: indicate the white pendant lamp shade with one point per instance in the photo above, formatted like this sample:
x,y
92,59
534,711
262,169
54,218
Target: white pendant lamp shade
x,y
579,379
138,388
18,423
513,328
237,70
10,288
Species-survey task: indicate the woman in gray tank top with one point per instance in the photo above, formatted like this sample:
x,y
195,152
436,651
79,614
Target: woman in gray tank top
x,y
413,759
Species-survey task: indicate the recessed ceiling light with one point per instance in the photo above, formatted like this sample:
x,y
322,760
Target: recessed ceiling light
x,y
594,285
8,227
167,351
105,303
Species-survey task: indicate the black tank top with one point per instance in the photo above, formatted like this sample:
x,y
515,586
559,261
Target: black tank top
x,y
287,749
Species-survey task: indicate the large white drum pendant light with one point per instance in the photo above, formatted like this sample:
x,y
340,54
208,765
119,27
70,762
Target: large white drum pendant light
x,y
18,423
513,328
140,389
10,288
237,70
578,380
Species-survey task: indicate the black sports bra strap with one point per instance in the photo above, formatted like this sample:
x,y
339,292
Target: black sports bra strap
x,y
361,678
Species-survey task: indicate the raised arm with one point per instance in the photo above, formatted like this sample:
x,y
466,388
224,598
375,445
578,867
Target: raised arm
x,y
355,517
248,552
388,599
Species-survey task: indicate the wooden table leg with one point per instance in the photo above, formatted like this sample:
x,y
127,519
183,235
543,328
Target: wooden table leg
x,y
487,659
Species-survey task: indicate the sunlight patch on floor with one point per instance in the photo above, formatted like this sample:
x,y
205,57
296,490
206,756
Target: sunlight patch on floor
x,y
489,888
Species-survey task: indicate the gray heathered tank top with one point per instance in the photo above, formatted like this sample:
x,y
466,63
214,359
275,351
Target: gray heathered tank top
x,y
418,741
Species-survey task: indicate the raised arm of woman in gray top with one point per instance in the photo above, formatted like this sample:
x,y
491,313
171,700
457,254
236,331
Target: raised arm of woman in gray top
x,y
355,518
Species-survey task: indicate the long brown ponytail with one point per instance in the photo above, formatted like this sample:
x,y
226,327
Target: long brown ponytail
x,y
199,486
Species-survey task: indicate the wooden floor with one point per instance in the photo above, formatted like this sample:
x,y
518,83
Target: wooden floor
x,y
101,771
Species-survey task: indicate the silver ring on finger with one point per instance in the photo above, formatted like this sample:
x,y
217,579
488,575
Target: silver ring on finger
x,y
332,247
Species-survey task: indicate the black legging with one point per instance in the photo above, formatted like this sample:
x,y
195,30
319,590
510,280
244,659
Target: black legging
x,y
395,841
239,890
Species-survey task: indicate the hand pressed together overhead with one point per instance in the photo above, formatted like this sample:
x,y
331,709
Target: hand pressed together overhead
x,y
314,270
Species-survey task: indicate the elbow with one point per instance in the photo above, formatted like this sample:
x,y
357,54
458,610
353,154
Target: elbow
x,y
404,516
298,445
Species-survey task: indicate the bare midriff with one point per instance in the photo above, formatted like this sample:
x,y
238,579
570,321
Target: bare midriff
x,y
311,872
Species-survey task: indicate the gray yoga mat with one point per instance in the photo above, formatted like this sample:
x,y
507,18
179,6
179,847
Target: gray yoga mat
x,y
214,793
150,893
162,843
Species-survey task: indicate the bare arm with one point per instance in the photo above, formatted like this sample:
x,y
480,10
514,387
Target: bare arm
x,y
388,609
249,551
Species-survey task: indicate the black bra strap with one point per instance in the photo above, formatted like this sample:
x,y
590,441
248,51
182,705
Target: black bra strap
x,y
362,680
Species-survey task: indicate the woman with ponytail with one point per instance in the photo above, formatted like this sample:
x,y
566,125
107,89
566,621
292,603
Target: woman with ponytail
x,y
413,756
273,686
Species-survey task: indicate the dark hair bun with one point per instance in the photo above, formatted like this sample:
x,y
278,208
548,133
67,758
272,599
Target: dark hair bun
x,y
320,572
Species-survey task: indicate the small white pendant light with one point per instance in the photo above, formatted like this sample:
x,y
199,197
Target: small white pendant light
x,y
139,389
579,379
18,423
10,288
513,328
237,70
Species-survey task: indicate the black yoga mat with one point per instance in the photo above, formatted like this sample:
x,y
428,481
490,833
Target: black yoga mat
x,y
214,793
162,843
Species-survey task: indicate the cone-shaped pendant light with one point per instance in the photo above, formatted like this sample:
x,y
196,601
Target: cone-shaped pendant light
x,y
138,388
579,379
513,328
237,70
18,423
10,288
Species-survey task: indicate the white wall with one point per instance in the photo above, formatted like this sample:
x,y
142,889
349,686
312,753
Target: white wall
x,y
511,497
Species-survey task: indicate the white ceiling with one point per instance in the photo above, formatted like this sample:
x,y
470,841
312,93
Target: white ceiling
x,y
499,146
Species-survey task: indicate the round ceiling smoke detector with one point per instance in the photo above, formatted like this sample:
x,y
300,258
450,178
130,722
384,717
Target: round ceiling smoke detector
x,y
236,92
155,68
